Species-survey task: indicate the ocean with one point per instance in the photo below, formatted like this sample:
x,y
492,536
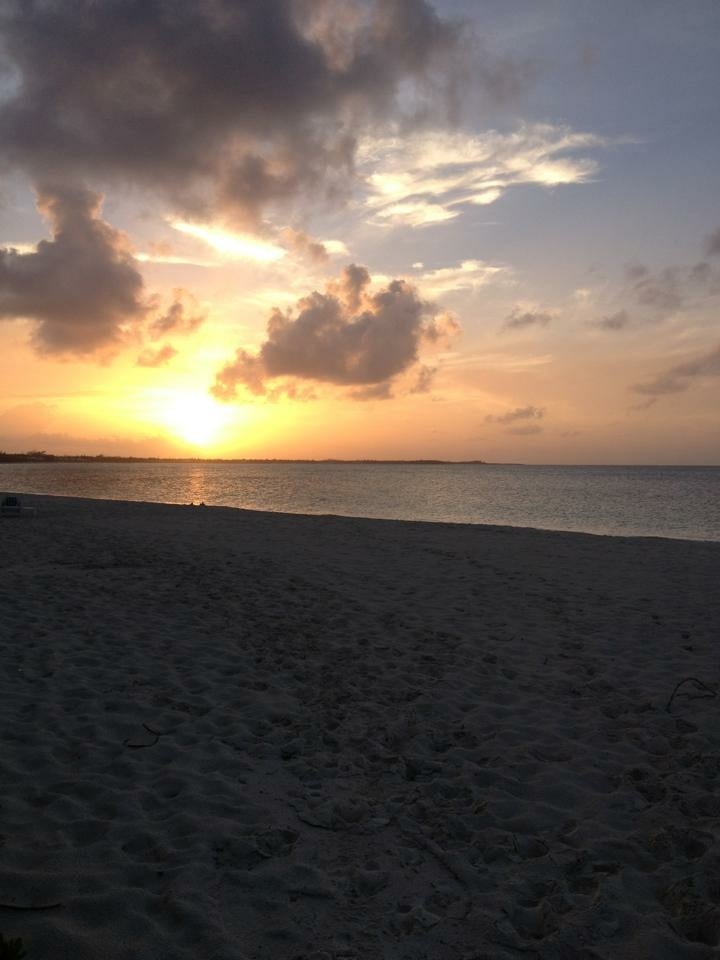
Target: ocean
x,y
677,502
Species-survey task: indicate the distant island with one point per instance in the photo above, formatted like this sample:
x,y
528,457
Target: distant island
x,y
40,456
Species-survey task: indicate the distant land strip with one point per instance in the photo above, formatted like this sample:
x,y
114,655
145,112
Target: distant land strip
x,y
39,456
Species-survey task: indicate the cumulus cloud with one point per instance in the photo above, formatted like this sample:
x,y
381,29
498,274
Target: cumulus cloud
x,y
218,104
82,287
156,358
520,319
424,179
681,376
351,335
519,413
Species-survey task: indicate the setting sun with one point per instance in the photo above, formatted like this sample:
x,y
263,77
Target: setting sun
x,y
195,418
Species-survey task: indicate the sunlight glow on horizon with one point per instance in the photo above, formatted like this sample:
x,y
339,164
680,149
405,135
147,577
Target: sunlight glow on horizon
x,y
194,417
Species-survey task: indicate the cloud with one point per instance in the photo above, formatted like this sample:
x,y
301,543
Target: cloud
x,y
223,105
424,380
232,246
82,287
428,178
681,376
335,248
468,276
520,319
702,272
712,244
305,246
174,259
156,358
497,361
376,391
526,431
615,321
658,295
183,316
519,413
351,335
661,291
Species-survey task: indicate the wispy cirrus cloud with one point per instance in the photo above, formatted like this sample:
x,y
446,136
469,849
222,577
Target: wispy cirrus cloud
x,y
466,276
232,246
681,376
430,178
496,361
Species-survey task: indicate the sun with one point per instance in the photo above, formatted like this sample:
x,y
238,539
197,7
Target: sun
x,y
195,418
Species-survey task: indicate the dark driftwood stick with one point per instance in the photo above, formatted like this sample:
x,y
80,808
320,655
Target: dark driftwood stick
x,y
699,683
141,746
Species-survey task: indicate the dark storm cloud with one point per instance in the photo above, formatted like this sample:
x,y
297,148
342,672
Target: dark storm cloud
x,y
229,103
519,413
519,319
349,335
82,287
681,376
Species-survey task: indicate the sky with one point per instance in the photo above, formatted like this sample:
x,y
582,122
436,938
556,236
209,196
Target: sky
x,y
356,229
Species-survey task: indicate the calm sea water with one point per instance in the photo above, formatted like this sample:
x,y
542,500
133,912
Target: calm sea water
x,y
679,502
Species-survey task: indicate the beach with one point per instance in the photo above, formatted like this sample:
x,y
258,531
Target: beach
x,y
233,735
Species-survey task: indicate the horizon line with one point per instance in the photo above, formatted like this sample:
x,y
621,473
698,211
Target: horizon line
x,y
41,456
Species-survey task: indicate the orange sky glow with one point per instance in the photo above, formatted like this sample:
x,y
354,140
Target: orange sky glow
x,y
350,273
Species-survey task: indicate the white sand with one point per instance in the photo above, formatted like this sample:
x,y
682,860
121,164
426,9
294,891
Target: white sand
x,y
233,735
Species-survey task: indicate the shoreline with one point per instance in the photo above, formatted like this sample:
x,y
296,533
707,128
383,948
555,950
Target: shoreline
x,y
341,516
242,734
